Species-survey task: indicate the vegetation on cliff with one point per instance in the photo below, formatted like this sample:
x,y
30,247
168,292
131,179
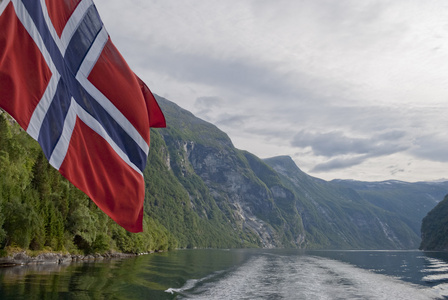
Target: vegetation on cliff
x,y
39,209
201,192
337,217
435,228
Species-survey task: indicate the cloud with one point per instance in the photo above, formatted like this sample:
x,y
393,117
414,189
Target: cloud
x,y
353,86
338,163
236,77
336,143
207,104
347,151
431,147
235,121
395,170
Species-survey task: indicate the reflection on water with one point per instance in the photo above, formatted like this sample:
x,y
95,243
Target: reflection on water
x,y
88,280
141,277
411,266
219,274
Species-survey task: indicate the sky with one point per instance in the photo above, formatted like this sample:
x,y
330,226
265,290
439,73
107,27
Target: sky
x,y
349,89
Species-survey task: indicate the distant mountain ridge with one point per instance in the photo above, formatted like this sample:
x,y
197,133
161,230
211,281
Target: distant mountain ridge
x,y
272,203
410,201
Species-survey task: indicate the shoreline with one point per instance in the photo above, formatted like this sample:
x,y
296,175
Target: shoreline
x,y
23,259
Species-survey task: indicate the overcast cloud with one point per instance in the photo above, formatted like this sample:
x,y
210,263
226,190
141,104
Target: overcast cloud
x,y
349,89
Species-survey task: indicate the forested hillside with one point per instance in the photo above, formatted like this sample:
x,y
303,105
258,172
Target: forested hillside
x,y
40,210
200,192
435,228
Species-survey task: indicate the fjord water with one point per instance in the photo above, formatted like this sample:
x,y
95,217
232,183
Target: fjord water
x,y
238,274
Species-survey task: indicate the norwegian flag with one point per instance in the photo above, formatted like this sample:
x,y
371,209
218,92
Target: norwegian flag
x,y
67,85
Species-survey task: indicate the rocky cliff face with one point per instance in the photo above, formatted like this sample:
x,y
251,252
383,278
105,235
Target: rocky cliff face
x,y
232,184
338,217
243,198
269,203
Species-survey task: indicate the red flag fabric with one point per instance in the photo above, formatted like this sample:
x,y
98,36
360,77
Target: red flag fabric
x,y
67,85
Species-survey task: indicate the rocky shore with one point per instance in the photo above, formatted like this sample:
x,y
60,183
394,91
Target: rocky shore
x,y
21,258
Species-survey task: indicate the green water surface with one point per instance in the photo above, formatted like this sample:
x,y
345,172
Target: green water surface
x,y
141,277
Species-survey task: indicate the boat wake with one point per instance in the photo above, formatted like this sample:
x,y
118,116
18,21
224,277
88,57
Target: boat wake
x,y
310,277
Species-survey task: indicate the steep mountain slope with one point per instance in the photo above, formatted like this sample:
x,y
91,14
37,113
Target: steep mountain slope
x,y
410,201
435,228
269,203
337,217
201,192
216,174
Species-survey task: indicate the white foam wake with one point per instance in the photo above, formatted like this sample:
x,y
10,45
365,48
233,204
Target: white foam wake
x,y
438,270
308,277
188,286
191,283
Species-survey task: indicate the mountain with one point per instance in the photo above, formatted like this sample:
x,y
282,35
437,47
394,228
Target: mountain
x,y
435,228
203,192
410,201
338,217
271,202
220,183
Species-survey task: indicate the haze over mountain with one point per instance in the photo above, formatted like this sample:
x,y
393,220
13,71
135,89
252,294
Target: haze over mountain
x,y
410,201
